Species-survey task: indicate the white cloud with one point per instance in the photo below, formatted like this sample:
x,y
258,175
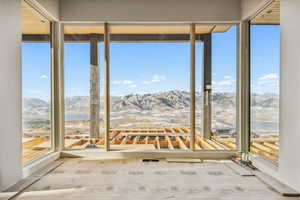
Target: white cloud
x,y
155,79
227,77
44,77
158,78
122,82
116,82
268,83
268,80
127,83
146,82
269,76
226,82
133,86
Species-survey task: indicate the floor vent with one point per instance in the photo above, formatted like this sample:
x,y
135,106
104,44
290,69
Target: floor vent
x,y
150,160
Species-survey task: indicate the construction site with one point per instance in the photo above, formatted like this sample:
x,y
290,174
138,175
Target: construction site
x,y
135,99
173,139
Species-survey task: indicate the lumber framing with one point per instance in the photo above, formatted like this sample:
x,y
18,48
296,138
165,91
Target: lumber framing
x,y
192,88
172,139
170,145
107,87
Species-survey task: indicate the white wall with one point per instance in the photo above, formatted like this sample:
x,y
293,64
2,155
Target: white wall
x,y
289,157
10,90
150,10
250,7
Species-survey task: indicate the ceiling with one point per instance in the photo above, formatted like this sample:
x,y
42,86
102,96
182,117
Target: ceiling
x,y
269,15
146,29
33,22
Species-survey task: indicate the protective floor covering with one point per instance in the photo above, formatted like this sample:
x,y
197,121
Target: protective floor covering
x,y
133,179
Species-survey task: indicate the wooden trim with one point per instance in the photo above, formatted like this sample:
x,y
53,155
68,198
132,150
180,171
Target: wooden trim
x,y
106,87
58,118
192,88
159,154
243,89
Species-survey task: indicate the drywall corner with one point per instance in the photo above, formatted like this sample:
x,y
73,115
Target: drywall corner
x,y
289,159
10,90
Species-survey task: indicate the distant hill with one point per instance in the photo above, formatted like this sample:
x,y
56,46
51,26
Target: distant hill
x,y
35,107
160,101
157,101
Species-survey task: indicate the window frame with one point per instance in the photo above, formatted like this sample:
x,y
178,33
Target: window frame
x,y
191,150
52,39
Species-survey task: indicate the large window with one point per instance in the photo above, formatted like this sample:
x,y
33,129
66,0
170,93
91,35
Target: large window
x,y
216,56
36,84
265,76
265,54
223,80
149,82
150,98
83,64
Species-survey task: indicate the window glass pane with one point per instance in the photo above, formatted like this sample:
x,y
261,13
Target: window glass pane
x,y
198,95
265,67
216,56
149,81
36,84
83,62
265,76
223,98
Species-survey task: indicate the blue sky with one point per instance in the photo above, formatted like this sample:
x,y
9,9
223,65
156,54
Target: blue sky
x,y
152,67
36,70
265,59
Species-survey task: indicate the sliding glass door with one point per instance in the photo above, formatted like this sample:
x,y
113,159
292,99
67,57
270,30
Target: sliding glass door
x,y
216,67
265,78
36,84
149,72
83,67
265,67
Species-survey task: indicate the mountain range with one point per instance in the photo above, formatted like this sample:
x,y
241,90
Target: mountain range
x,y
160,101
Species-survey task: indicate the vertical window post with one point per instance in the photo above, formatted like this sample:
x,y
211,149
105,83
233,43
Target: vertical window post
x,y
243,117
206,86
94,89
192,89
58,109
106,87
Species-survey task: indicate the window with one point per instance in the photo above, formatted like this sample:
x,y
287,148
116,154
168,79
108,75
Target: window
x,y
265,54
216,56
149,86
83,64
36,84
265,76
223,77
150,98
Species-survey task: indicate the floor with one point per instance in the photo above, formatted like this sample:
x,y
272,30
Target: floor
x,y
79,178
